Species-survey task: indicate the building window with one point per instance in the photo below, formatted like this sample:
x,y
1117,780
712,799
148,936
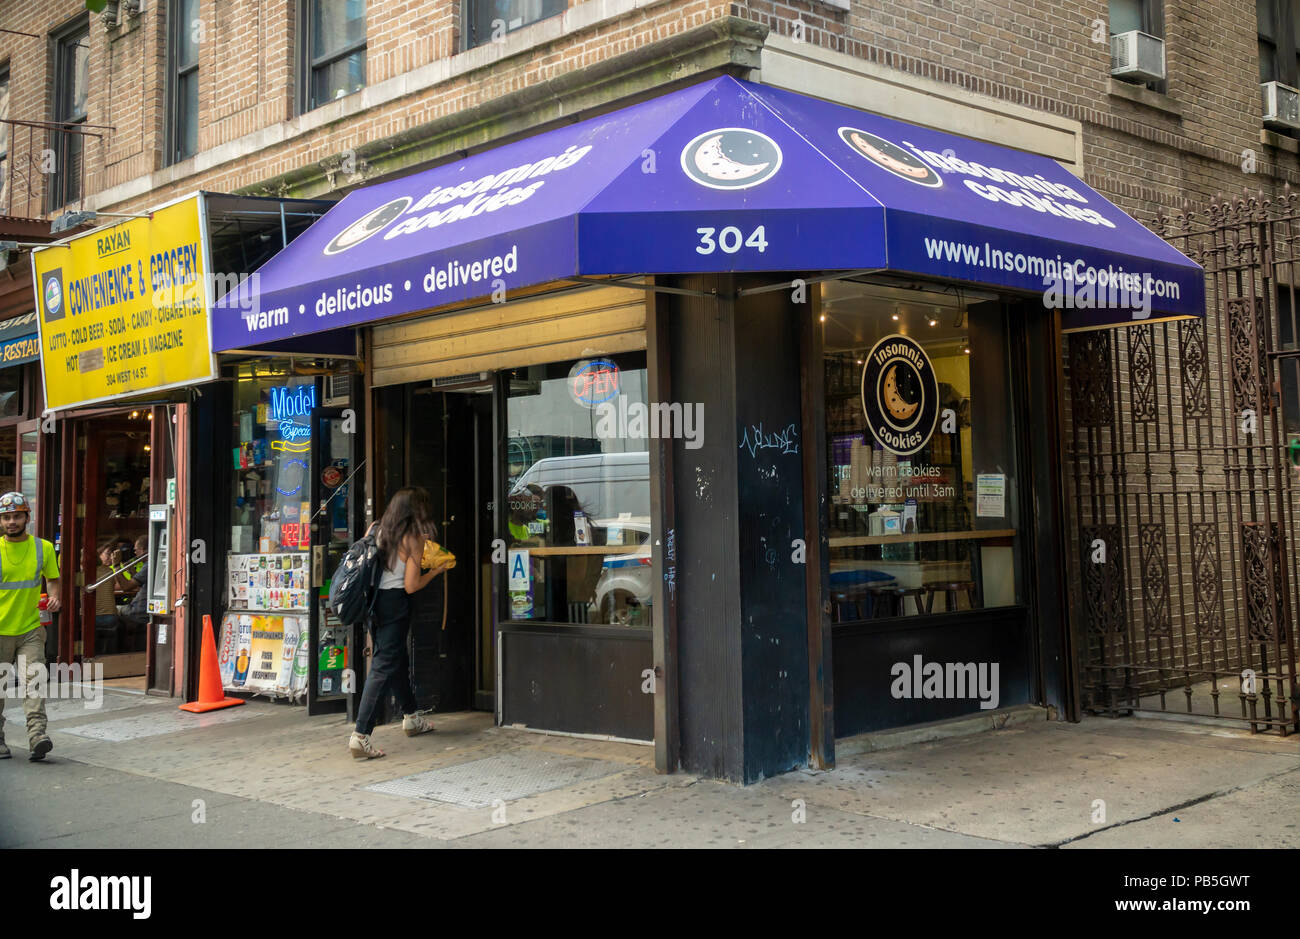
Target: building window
x,y
334,59
6,191
486,20
920,454
183,129
1147,16
578,492
71,71
1278,22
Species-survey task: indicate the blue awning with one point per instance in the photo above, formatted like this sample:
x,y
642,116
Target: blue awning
x,y
19,342
721,176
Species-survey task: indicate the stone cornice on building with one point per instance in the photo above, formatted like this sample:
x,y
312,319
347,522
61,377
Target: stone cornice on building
x,y
726,45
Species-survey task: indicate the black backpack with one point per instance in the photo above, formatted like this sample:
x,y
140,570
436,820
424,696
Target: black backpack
x,y
355,584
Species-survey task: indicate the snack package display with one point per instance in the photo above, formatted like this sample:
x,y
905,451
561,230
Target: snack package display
x,y
434,553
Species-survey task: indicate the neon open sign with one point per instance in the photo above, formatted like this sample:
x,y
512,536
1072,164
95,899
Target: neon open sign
x,y
593,382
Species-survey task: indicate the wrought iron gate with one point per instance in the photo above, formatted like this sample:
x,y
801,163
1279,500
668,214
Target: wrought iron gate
x,y
1184,499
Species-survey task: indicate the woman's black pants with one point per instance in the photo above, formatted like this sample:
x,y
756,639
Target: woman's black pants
x,y
390,667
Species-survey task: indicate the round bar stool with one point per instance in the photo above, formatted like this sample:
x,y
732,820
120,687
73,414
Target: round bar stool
x,y
902,595
883,602
949,588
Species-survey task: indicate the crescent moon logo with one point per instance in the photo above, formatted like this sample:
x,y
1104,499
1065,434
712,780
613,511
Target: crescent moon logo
x,y
900,395
731,158
894,403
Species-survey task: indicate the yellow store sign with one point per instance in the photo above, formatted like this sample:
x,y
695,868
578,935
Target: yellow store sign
x,y
124,308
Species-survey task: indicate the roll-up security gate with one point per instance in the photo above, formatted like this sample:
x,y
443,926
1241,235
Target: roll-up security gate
x,y
568,325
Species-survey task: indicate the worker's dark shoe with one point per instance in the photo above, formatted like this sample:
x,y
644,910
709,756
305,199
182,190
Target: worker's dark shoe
x,y
4,751
41,745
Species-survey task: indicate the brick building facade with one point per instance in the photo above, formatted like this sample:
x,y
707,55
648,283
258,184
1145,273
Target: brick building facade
x,y
1027,75
427,98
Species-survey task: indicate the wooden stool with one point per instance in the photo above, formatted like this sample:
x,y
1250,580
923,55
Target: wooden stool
x,y
950,588
901,595
883,602
852,599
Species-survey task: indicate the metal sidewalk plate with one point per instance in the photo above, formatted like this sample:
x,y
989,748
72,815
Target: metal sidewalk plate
x,y
507,776
168,721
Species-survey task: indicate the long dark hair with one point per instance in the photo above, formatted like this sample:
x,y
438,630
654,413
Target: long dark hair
x,y
409,512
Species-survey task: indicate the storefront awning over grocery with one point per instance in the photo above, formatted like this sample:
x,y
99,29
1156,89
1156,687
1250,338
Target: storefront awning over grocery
x,y
721,176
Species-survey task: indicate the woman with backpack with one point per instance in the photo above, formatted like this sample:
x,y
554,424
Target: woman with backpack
x,y
402,531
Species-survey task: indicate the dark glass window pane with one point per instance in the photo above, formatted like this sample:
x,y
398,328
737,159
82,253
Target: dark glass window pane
x,y
1267,62
78,76
341,77
187,114
4,115
11,387
187,47
1125,15
578,493
489,18
337,24
1264,19
912,532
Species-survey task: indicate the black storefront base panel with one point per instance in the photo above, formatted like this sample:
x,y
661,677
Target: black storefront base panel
x,y
880,684
581,680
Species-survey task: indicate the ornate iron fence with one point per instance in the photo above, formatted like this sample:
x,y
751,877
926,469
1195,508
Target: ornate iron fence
x,y
1184,498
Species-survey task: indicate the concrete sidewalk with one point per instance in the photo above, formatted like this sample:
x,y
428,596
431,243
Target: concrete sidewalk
x,y
140,773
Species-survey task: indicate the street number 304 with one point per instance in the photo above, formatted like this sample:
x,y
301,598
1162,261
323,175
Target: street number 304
x,y
730,240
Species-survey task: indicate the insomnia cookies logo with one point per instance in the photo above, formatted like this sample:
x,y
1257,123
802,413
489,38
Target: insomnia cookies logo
x,y
889,156
731,158
900,395
369,224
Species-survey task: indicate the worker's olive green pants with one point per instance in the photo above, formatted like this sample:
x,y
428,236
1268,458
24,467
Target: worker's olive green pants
x,y
31,648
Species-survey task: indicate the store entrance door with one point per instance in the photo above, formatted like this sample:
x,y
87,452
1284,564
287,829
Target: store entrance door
x,y
331,651
114,517
450,440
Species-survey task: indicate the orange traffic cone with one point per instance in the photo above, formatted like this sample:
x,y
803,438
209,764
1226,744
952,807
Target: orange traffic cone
x,y
211,696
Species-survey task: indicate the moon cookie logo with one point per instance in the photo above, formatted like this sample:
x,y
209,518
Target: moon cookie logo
x,y
731,158
900,395
369,224
889,156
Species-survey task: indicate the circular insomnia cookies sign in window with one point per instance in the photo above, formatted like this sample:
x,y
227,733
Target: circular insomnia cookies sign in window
x,y
900,395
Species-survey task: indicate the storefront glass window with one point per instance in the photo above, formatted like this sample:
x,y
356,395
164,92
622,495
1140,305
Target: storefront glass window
x,y
578,492
271,508
27,467
920,441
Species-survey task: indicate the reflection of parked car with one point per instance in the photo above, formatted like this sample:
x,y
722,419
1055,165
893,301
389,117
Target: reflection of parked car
x,y
606,484
623,590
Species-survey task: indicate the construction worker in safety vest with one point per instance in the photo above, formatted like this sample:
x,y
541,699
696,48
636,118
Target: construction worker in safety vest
x,y
24,560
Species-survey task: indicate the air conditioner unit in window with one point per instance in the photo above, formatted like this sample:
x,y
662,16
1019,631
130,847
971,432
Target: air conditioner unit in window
x,y
337,390
1137,56
1281,105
